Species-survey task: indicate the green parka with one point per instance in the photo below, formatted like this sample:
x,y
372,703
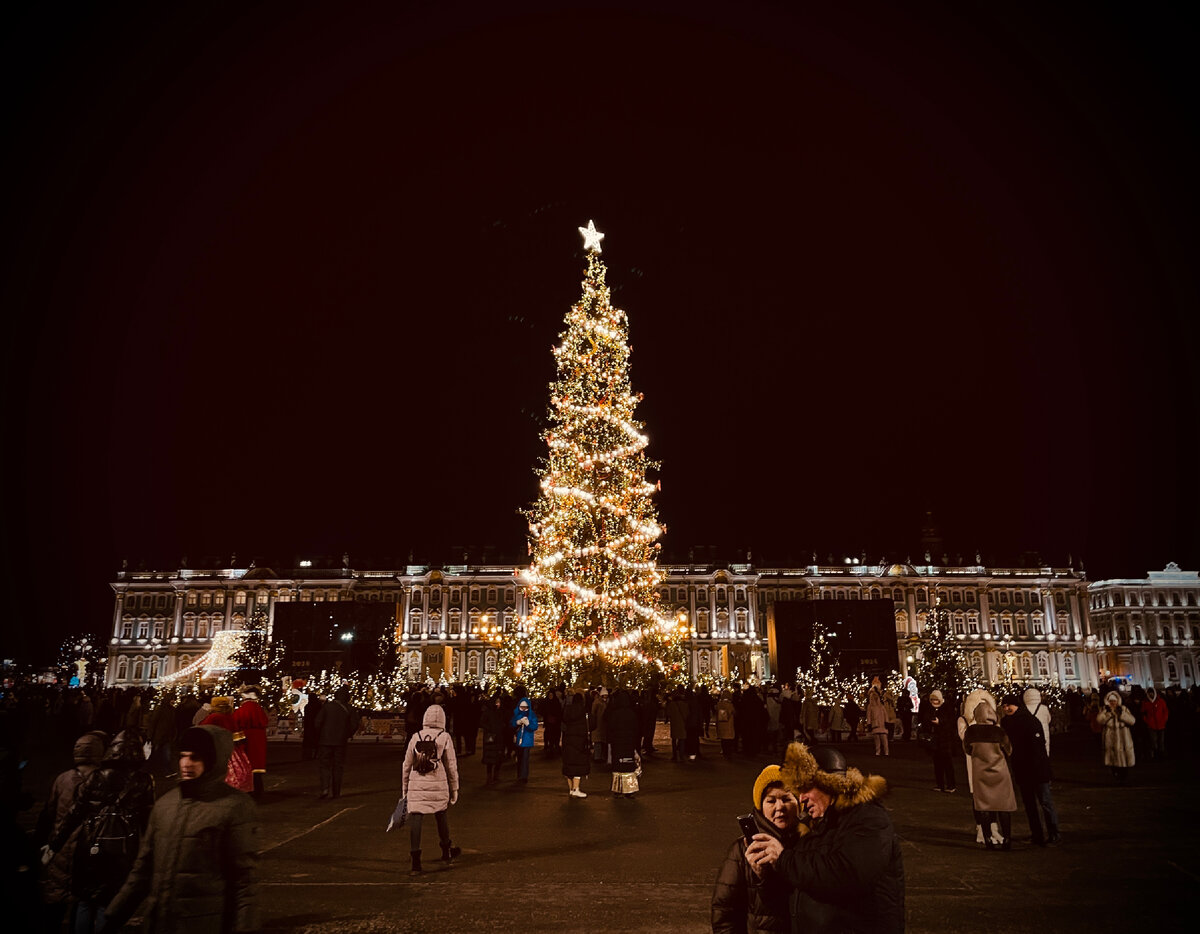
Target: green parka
x,y
196,865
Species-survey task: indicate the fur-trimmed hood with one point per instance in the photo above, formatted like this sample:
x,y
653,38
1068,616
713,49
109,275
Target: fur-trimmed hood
x,y
848,789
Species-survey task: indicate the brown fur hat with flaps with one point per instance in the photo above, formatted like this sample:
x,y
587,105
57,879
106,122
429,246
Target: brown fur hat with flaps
x,y
847,786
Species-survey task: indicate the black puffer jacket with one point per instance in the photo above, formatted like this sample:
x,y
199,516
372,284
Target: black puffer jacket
x,y
742,903
576,739
847,874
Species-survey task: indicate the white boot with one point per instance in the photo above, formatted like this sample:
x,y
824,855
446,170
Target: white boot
x,y
997,838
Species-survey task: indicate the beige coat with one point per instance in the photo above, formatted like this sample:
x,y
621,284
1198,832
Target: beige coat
x,y
1115,731
988,747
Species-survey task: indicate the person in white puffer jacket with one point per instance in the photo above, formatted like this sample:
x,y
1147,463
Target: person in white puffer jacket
x,y
432,791
1033,703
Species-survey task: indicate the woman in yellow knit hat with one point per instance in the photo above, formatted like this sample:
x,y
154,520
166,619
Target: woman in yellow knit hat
x,y
745,899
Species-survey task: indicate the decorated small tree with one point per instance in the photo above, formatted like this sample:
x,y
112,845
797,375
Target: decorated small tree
x,y
820,679
593,577
941,662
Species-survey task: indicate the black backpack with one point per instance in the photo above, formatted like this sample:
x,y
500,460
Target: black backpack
x,y
425,755
108,844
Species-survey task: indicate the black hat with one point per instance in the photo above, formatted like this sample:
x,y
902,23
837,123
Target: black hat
x,y
829,759
199,742
1014,699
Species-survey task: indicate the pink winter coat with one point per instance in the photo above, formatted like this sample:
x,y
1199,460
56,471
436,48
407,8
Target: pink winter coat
x,y
430,793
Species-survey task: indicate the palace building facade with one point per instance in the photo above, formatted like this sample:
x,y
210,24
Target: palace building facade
x,y
1033,624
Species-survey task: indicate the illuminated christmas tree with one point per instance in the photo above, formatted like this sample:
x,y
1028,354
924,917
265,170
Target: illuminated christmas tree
x,y
820,679
593,577
942,664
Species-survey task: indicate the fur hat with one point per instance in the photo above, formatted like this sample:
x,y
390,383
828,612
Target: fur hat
x,y
222,704
249,691
802,770
771,775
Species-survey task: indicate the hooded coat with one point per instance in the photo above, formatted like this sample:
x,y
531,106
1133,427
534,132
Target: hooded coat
x,y
988,747
1032,699
1030,764
430,793
847,874
525,732
56,879
576,739
1116,732
622,730
196,867
1154,710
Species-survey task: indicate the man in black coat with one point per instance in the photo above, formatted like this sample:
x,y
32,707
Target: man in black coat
x,y
336,723
847,874
1031,769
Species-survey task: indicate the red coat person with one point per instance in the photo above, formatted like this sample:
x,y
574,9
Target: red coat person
x,y
251,720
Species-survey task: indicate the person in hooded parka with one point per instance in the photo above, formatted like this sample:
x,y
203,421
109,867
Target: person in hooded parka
x,y
431,792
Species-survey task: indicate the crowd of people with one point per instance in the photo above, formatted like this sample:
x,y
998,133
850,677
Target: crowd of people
x,y
106,841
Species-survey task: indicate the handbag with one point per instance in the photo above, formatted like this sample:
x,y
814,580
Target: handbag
x,y
400,815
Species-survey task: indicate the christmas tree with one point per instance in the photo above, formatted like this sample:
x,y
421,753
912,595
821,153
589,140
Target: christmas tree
x,y
592,579
942,665
820,680
254,661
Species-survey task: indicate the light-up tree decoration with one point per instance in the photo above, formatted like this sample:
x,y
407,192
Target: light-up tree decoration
x,y
942,664
821,680
593,577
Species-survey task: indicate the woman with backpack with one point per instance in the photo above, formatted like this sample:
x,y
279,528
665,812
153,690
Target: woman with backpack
x,y
430,783
112,808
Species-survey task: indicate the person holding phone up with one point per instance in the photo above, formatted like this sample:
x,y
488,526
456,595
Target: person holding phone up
x,y
749,898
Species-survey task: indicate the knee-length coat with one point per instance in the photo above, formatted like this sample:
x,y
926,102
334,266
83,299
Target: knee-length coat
x,y
989,747
1116,722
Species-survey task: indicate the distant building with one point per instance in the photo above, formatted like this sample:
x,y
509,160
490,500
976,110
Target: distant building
x,y
1038,623
1148,630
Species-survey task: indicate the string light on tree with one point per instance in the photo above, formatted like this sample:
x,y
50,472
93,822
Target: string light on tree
x,y
940,662
593,574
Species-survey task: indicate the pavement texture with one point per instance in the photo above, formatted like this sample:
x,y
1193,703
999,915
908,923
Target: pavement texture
x,y
535,859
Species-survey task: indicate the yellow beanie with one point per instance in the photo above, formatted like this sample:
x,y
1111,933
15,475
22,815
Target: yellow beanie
x,y
772,773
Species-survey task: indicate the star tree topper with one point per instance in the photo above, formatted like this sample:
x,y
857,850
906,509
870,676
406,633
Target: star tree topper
x,y
591,237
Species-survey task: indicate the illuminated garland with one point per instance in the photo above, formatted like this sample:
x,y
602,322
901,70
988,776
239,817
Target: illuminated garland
x,y
593,577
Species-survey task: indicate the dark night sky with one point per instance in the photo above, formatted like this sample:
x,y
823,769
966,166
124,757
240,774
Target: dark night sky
x,y
285,281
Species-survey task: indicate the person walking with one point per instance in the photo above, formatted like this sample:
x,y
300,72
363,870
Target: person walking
x,y
726,725
941,722
1116,733
251,721
989,746
677,712
576,744
524,723
623,741
111,810
161,731
748,899
909,705
336,723
56,881
599,727
1031,769
877,722
493,723
195,870
430,783
1154,715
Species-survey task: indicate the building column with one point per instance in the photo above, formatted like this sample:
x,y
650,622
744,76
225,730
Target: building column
x,y
1048,610
119,602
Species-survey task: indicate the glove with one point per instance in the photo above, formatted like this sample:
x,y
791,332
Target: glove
x,y
454,797
524,721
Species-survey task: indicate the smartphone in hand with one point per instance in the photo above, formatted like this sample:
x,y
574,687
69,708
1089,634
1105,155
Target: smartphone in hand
x,y
749,826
